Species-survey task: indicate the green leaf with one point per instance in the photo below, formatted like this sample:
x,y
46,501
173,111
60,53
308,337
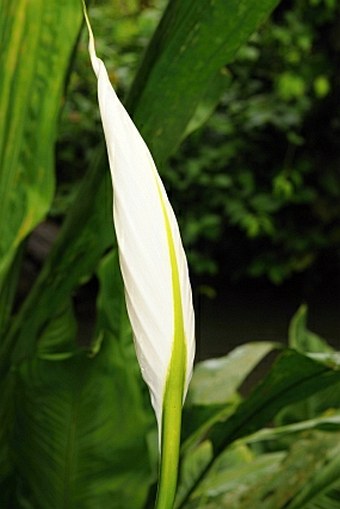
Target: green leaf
x,y
328,500
193,41
73,257
6,419
84,417
301,338
8,290
79,433
213,390
305,341
327,423
292,378
192,467
245,473
272,480
209,101
58,340
216,381
112,314
30,96
236,473
321,483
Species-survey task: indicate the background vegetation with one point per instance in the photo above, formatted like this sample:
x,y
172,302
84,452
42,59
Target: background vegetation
x,y
256,184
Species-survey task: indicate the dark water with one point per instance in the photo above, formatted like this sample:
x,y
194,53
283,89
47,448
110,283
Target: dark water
x,y
261,312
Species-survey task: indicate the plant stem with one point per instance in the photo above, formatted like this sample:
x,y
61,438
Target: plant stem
x,y
171,435
174,388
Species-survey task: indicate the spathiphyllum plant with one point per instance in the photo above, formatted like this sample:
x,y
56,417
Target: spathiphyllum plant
x,y
73,417
155,274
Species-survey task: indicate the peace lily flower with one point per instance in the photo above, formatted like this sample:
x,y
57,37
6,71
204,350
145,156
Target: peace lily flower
x,y
155,273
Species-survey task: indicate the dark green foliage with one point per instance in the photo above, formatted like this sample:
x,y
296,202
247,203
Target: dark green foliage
x,y
257,188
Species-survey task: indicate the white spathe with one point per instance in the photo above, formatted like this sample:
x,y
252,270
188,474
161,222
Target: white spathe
x,y
141,211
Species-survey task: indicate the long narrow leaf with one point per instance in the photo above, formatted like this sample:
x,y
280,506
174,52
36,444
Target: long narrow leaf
x,y
193,41
36,43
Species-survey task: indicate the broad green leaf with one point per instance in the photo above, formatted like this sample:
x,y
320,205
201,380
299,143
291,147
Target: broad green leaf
x,y
37,40
327,399
195,462
56,342
270,480
216,381
309,459
78,439
110,302
237,472
213,389
292,378
100,391
6,419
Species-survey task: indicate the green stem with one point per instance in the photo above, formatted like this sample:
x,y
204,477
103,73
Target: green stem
x,y
171,435
174,387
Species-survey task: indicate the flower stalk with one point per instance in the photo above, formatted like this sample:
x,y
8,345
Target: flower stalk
x,y
155,274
